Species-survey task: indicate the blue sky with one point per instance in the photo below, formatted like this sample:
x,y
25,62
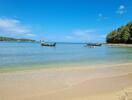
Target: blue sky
x,y
63,20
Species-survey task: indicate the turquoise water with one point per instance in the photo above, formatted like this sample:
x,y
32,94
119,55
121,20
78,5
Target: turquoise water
x,y
28,55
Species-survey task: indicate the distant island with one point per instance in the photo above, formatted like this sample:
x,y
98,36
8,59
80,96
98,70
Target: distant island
x,y
9,39
121,35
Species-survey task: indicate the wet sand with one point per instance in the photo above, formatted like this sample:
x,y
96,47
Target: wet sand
x,y
81,83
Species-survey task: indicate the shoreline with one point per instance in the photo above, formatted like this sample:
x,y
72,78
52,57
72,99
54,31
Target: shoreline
x,y
118,45
80,83
65,66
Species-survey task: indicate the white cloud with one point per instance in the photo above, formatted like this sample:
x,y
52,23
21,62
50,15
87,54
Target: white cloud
x,y
69,37
14,26
121,7
87,35
121,10
30,34
83,33
101,17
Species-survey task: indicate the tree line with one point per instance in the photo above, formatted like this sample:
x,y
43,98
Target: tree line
x,y
121,35
14,39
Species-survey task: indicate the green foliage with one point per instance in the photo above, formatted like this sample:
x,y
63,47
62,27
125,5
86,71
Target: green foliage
x,y
14,39
121,35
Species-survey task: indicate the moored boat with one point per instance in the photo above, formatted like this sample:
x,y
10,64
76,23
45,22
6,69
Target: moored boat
x,y
93,44
48,44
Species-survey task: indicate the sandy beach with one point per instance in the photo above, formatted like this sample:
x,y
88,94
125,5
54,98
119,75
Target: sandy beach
x,y
65,49
73,83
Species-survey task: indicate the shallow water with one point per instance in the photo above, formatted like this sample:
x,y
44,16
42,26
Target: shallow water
x,y
32,55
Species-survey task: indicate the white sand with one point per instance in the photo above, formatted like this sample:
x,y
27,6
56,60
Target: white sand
x,y
81,83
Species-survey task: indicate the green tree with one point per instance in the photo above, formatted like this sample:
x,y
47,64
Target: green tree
x,y
122,35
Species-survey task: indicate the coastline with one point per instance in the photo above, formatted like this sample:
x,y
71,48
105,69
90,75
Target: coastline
x,y
80,83
65,66
118,45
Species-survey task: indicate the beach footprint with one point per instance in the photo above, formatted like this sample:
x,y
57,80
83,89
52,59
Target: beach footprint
x,y
127,95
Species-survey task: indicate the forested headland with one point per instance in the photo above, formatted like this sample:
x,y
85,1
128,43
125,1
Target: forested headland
x,y
15,39
121,35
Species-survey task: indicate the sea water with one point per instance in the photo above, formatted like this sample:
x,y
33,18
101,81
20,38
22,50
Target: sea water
x,y
18,55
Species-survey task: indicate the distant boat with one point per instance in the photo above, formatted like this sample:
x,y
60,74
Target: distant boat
x,y
48,44
93,44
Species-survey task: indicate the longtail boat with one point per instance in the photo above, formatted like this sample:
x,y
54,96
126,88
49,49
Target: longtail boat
x,y
48,44
93,45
